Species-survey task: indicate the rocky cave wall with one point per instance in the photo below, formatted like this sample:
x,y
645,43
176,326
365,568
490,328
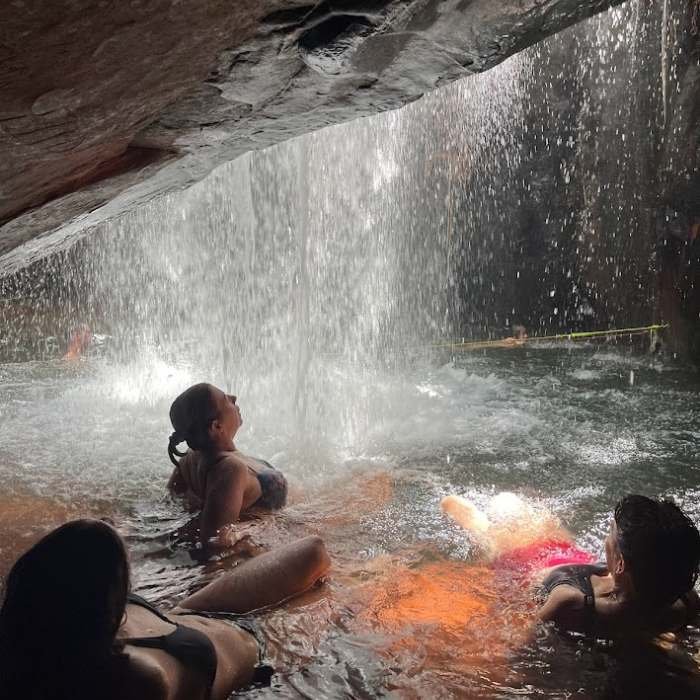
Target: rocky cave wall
x,y
677,192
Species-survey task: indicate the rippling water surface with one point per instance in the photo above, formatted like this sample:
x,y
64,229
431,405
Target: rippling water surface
x,y
409,610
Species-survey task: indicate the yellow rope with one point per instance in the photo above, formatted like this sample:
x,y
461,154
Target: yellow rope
x,y
580,335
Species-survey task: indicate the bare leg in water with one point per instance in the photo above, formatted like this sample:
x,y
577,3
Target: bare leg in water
x,y
519,526
264,580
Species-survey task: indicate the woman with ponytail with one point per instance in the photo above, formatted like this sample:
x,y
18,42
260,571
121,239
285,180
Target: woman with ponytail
x,y
213,476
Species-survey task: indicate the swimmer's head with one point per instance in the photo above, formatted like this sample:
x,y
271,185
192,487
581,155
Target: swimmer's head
x,y
82,335
201,416
656,547
64,602
80,340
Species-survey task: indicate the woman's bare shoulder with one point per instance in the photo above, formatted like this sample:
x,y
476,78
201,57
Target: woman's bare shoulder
x,y
184,469
563,606
190,459
229,462
684,611
145,679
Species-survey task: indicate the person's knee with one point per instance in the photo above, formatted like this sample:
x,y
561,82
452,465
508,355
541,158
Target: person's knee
x,y
316,555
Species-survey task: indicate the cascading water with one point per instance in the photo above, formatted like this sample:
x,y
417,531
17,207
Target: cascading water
x,y
297,277
311,280
490,202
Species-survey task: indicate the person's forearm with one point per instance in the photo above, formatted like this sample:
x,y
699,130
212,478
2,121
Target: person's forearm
x,y
217,524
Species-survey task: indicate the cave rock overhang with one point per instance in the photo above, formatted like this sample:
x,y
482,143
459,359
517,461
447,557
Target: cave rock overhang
x,y
105,107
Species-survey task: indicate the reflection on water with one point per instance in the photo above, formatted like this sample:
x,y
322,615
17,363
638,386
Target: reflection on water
x,y
411,607
25,516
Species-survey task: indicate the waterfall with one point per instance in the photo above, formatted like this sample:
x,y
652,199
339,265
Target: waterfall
x,y
664,60
298,277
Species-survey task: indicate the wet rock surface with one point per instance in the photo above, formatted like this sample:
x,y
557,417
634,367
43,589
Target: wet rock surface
x,y
105,106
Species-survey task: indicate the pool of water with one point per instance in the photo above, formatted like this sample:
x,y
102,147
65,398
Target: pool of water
x,y
409,609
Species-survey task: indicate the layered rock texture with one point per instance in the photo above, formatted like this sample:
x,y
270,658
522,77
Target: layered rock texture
x,y
105,105
677,185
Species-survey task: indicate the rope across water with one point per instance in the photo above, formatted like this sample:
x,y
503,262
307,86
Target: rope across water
x,y
579,335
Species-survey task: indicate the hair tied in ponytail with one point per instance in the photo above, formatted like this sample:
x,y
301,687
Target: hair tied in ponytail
x,y
174,440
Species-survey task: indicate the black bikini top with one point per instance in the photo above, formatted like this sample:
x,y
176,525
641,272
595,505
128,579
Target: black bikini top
x,y
578,576
190,647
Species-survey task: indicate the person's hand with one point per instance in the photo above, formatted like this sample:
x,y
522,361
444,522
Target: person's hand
x,y
238,537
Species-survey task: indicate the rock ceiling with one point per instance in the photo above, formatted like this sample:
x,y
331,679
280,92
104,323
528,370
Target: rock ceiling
x,y
107,104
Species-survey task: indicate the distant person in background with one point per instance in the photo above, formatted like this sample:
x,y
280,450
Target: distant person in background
x,y
644,587
79,342
694,230
519,334
213,476
518,338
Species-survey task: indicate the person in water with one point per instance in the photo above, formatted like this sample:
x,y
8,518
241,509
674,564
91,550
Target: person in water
x,y
70,629
79,342
644,587
518,338
213,476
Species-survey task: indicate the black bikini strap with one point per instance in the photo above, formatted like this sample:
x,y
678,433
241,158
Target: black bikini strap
x,y
135,599
588,607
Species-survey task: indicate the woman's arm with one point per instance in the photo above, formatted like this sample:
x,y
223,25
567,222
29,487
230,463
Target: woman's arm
x,y
226,485
176,484
563,607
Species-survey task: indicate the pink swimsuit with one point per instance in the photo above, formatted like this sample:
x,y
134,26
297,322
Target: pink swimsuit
x,y
542,555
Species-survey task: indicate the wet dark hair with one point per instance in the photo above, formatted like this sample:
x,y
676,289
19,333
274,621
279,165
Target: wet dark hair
x,y
661,547
191,414
64,602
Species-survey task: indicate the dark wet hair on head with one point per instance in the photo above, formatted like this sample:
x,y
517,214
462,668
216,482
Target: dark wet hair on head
x,y
661,547
191,415
64,602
